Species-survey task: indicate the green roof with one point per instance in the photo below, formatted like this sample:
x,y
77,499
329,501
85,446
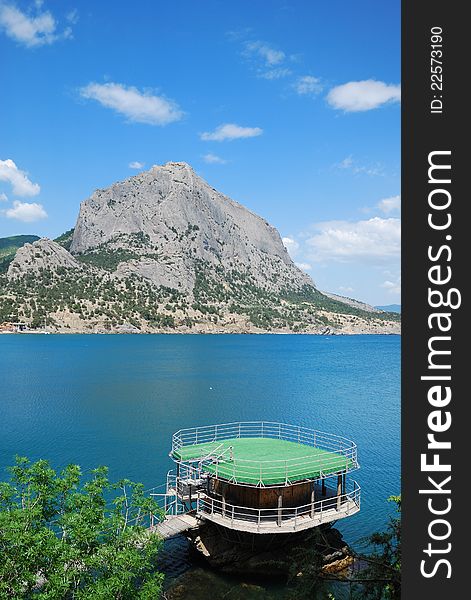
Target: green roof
x,y
264,461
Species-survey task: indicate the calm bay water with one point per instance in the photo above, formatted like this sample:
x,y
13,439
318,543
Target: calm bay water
x,y
116,400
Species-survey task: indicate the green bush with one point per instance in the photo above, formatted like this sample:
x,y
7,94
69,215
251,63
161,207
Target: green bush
x,y
61,538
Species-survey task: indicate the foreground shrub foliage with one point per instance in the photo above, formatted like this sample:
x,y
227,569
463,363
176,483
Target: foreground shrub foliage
x,y
65,536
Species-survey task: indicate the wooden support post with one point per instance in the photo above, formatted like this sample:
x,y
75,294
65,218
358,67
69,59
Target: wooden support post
x,y
313,499
280,507
323,486
339,491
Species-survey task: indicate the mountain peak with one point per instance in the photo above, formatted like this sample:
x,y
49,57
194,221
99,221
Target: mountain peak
x,y
184,221
175,165
172,166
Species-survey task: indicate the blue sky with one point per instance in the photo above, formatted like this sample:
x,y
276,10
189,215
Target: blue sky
x,y
294,111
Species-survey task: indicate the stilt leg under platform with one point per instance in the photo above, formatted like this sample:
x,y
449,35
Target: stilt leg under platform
x,y
313,499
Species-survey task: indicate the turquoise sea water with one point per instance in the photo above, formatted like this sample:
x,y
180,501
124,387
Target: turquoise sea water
x,y
116,400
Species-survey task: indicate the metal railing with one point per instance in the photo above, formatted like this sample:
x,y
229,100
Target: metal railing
x,y
257,472
292,518
167,497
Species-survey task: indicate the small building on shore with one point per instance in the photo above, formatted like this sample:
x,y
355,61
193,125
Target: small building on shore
x,y
9,327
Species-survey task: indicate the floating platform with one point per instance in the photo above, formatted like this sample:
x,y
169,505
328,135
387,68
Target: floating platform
x,y
262,477
263,461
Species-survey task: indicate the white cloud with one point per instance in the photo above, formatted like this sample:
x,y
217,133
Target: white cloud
x,y
270,56
230,131
346,289
358,96
236,35
26,212
291,245
3,197
375,240
346,163
135,164
303,266
136,106
307,85
72,16
394,286
352,165
213,159
389,205
275,73
294,247
18,179
31,30
266,61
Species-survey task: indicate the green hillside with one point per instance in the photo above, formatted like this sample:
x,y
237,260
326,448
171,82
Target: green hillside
x,y
65,239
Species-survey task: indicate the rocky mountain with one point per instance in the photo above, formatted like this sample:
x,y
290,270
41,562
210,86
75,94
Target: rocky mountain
x,y
352,302
164,251
169,218
41,255
9,246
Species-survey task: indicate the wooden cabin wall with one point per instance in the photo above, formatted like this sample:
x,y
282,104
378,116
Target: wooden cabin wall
x,y
294,495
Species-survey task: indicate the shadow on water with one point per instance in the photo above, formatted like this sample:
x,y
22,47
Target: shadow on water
x,y
190,578
199,583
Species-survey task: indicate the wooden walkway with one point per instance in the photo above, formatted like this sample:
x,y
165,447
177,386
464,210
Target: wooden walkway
x,y
173,525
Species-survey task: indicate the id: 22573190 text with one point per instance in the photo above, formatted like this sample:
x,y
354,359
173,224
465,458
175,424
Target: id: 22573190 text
x,y
436,70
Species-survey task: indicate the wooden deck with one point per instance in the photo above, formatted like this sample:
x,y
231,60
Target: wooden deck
x,y
287,525
174,525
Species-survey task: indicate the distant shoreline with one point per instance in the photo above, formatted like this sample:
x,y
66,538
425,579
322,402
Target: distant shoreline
x,y
340,334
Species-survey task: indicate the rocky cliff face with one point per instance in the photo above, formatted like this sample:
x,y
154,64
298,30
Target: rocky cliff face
x,y
163,251
42,255
169,218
